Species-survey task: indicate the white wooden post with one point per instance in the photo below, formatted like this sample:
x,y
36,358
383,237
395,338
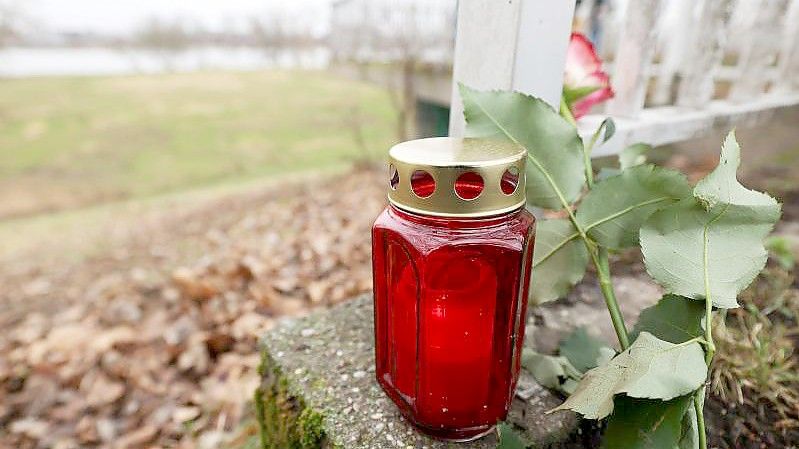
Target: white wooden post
x,y
515,45
677,36
788,64
705,53
633,58
763,32
582,16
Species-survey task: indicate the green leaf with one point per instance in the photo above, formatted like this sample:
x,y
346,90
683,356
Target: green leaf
x,y
711,245
607,128
610,129
633,155
693,252
780,249
508,438
649,369
613,211
550,371
547,370
674,319
607,173
721,187
690,426
582,350
555,171
559,260
645,423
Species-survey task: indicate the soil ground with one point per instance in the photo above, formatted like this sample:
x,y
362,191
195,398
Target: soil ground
x,y
137,326
152,341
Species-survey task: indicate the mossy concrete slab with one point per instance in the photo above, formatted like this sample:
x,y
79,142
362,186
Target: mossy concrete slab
x,y
319,391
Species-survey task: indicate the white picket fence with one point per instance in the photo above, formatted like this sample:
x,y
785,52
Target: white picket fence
x,y
680,68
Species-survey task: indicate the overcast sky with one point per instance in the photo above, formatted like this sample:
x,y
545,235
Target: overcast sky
x,y
115,16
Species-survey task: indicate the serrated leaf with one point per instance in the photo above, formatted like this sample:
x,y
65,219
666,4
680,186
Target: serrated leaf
x,y
690,427
555,171
546,369
508,438
550,371
606,354
613,211
559,260
674,319
711,244
582,350
649,369
645,423
607,128
633,155
607,173
569,386
721,187
690,250
610,129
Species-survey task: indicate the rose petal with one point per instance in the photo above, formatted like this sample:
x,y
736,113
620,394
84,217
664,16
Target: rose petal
x,y
581,60
584,69
583,106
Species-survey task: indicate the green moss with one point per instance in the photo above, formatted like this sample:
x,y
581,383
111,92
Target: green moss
x,y
284,420
260,414
311,426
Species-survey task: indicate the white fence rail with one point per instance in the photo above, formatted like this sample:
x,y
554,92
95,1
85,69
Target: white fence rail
x,y
680,68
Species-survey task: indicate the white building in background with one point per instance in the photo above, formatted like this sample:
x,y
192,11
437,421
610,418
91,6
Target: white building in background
x,y
392,30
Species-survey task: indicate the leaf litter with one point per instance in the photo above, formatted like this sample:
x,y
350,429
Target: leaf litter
x,y
153,343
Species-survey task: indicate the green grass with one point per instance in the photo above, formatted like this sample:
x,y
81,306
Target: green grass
x,y
72,142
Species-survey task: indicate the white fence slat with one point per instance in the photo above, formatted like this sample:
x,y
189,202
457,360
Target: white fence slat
x,y
510,45
788,64
521,45
705,53
670,124
583,16
610,17
633,57
676,30
758,51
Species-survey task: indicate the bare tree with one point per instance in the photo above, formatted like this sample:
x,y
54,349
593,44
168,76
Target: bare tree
x,y
269,34
10,18
168,38
405,36
282,32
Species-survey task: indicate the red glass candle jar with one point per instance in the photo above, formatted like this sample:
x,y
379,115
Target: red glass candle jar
x,y
452,256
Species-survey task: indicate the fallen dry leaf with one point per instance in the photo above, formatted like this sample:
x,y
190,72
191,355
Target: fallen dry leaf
x,y
102,391
160,329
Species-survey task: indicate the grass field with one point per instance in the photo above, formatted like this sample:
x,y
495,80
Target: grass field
x,y
73,142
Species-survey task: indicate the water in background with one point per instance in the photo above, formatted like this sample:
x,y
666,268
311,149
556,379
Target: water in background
x,y
87,61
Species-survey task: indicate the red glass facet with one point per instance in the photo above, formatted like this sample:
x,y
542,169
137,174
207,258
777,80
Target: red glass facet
x,y
450,300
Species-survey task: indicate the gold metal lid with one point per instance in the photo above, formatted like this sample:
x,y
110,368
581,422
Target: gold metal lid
x,y
452,177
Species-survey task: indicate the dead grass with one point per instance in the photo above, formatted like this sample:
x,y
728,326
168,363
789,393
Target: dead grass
x,y
755,380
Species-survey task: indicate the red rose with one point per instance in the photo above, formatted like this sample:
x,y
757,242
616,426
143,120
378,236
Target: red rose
x,y
584,83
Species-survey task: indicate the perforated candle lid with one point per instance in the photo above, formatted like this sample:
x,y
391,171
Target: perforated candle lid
x,y
453,177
